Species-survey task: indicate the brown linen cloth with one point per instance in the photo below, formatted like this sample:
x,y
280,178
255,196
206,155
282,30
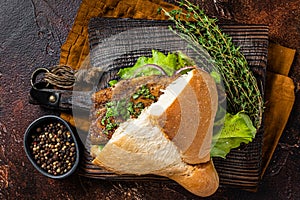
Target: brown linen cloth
x,y
279,88
279,98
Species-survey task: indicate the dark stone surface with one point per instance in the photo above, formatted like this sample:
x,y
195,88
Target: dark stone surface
x,y
31,35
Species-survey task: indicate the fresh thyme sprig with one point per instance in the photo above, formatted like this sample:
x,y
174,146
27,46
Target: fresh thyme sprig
x,y
240,85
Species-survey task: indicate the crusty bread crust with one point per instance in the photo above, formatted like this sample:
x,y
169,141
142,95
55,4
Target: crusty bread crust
x,y
171,119
201,179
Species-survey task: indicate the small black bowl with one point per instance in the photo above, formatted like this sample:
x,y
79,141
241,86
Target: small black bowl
x,y
35,129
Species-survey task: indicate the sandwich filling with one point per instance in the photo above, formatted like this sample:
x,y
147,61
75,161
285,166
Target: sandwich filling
x,y
123,101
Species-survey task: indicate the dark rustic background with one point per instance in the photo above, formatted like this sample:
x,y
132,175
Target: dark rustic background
x,y
31,34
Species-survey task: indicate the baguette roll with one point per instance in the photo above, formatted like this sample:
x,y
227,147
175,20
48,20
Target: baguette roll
x,y
172,137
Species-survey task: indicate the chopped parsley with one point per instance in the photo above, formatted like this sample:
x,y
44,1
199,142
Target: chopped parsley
x,y
118,111
143,92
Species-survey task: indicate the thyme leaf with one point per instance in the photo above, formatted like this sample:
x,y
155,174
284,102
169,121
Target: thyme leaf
x,y
242,92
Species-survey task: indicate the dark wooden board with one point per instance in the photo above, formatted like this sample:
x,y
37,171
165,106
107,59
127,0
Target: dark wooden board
x,y
241,168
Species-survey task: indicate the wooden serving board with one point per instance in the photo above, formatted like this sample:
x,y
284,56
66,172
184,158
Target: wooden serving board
x,y
241,168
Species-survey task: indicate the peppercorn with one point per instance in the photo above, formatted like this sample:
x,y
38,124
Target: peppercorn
x,y
53,148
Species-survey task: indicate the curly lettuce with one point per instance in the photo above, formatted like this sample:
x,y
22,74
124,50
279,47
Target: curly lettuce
x,y
169,63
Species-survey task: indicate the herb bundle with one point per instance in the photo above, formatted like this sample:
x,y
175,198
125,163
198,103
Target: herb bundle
x,y
242,92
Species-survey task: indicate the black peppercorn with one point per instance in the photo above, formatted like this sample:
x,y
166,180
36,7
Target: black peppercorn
x,y
53,148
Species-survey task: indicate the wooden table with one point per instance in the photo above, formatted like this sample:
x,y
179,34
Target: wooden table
x,y
31,35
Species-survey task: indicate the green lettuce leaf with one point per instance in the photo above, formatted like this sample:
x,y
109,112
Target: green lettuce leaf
x,y
170,63
237,129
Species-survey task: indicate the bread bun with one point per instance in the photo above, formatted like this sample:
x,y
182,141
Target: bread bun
x,y
170,138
